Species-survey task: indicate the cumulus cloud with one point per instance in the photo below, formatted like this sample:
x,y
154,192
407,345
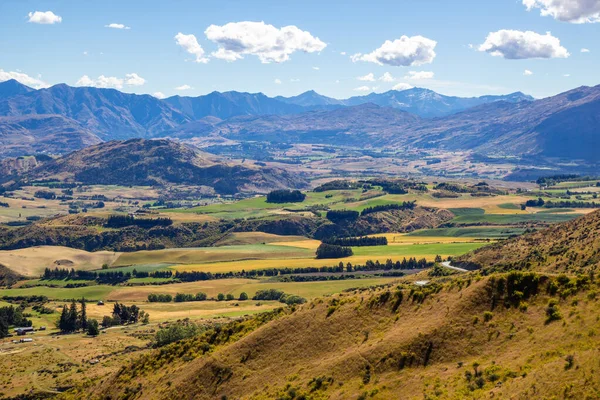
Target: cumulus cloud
x,y
316,68
44,17
277,81
117,26
527,72
268,43
574,11
111,82
416,75
406,51
518,45
183,87
387,77
367,78
134,79
585,50
363,89
159,95
402,86
191,45
23,78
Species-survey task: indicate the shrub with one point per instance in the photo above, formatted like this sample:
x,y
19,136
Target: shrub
x,y
229,297
175,332
243,296
487,316
220,297
552,313
92,327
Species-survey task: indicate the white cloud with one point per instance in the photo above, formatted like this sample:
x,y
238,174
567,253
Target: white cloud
x,y
367,78
406,51
585,50
277,81
343,53
191,45
416,75
23,78
316,68
387,77
295,80
265,41
117,26
567,75
574,11
363,89
527,72
134,79
402,86
183,87
111,82
518,45
44,17
159,95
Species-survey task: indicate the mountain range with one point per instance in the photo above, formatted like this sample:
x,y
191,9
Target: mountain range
x,y
61,119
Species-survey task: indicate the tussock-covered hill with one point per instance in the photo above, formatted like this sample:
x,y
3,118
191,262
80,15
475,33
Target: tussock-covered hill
x,y
161,162
572,246
466,338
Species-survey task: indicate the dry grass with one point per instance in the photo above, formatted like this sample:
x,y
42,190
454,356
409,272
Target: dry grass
x,y
33,260
242,238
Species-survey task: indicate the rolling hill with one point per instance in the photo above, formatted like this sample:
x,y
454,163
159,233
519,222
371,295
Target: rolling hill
x,y
465,338
572,247
160,162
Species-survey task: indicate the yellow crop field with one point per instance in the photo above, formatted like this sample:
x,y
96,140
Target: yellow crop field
x,y
33,260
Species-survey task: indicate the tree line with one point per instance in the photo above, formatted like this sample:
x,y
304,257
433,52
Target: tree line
x,y
406,205
285,196
336,216
562,203
358,241
186,297
278,295
333,251
121,221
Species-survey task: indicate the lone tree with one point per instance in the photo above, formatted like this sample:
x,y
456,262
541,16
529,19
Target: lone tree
x,y
83,321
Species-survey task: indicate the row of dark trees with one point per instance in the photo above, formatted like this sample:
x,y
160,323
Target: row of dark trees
x,y
278,295
358,241
285,196
562,203
406,205
12,316
71,320
121,221
333,251
336,216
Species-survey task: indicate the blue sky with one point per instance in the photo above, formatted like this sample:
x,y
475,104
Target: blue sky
x,y
81,44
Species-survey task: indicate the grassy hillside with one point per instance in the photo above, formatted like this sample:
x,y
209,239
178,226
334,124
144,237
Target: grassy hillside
x,y
502,336
569,247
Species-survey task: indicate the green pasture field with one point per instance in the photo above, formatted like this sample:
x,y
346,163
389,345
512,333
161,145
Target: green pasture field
x,y
508,219
447,249
472,232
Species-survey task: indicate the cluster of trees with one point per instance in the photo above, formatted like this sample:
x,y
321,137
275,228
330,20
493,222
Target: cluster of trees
x,y
159,298
399,187
12,316
183,297
45,194
285,196
123,314
554,179
336,216
175,332
333,251
278,295
120,221
71,320
107,277
337,185
5,205
535,203
358,241
406,205
571,204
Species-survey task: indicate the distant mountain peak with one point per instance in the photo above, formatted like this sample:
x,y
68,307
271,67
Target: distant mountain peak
x,y
12,87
